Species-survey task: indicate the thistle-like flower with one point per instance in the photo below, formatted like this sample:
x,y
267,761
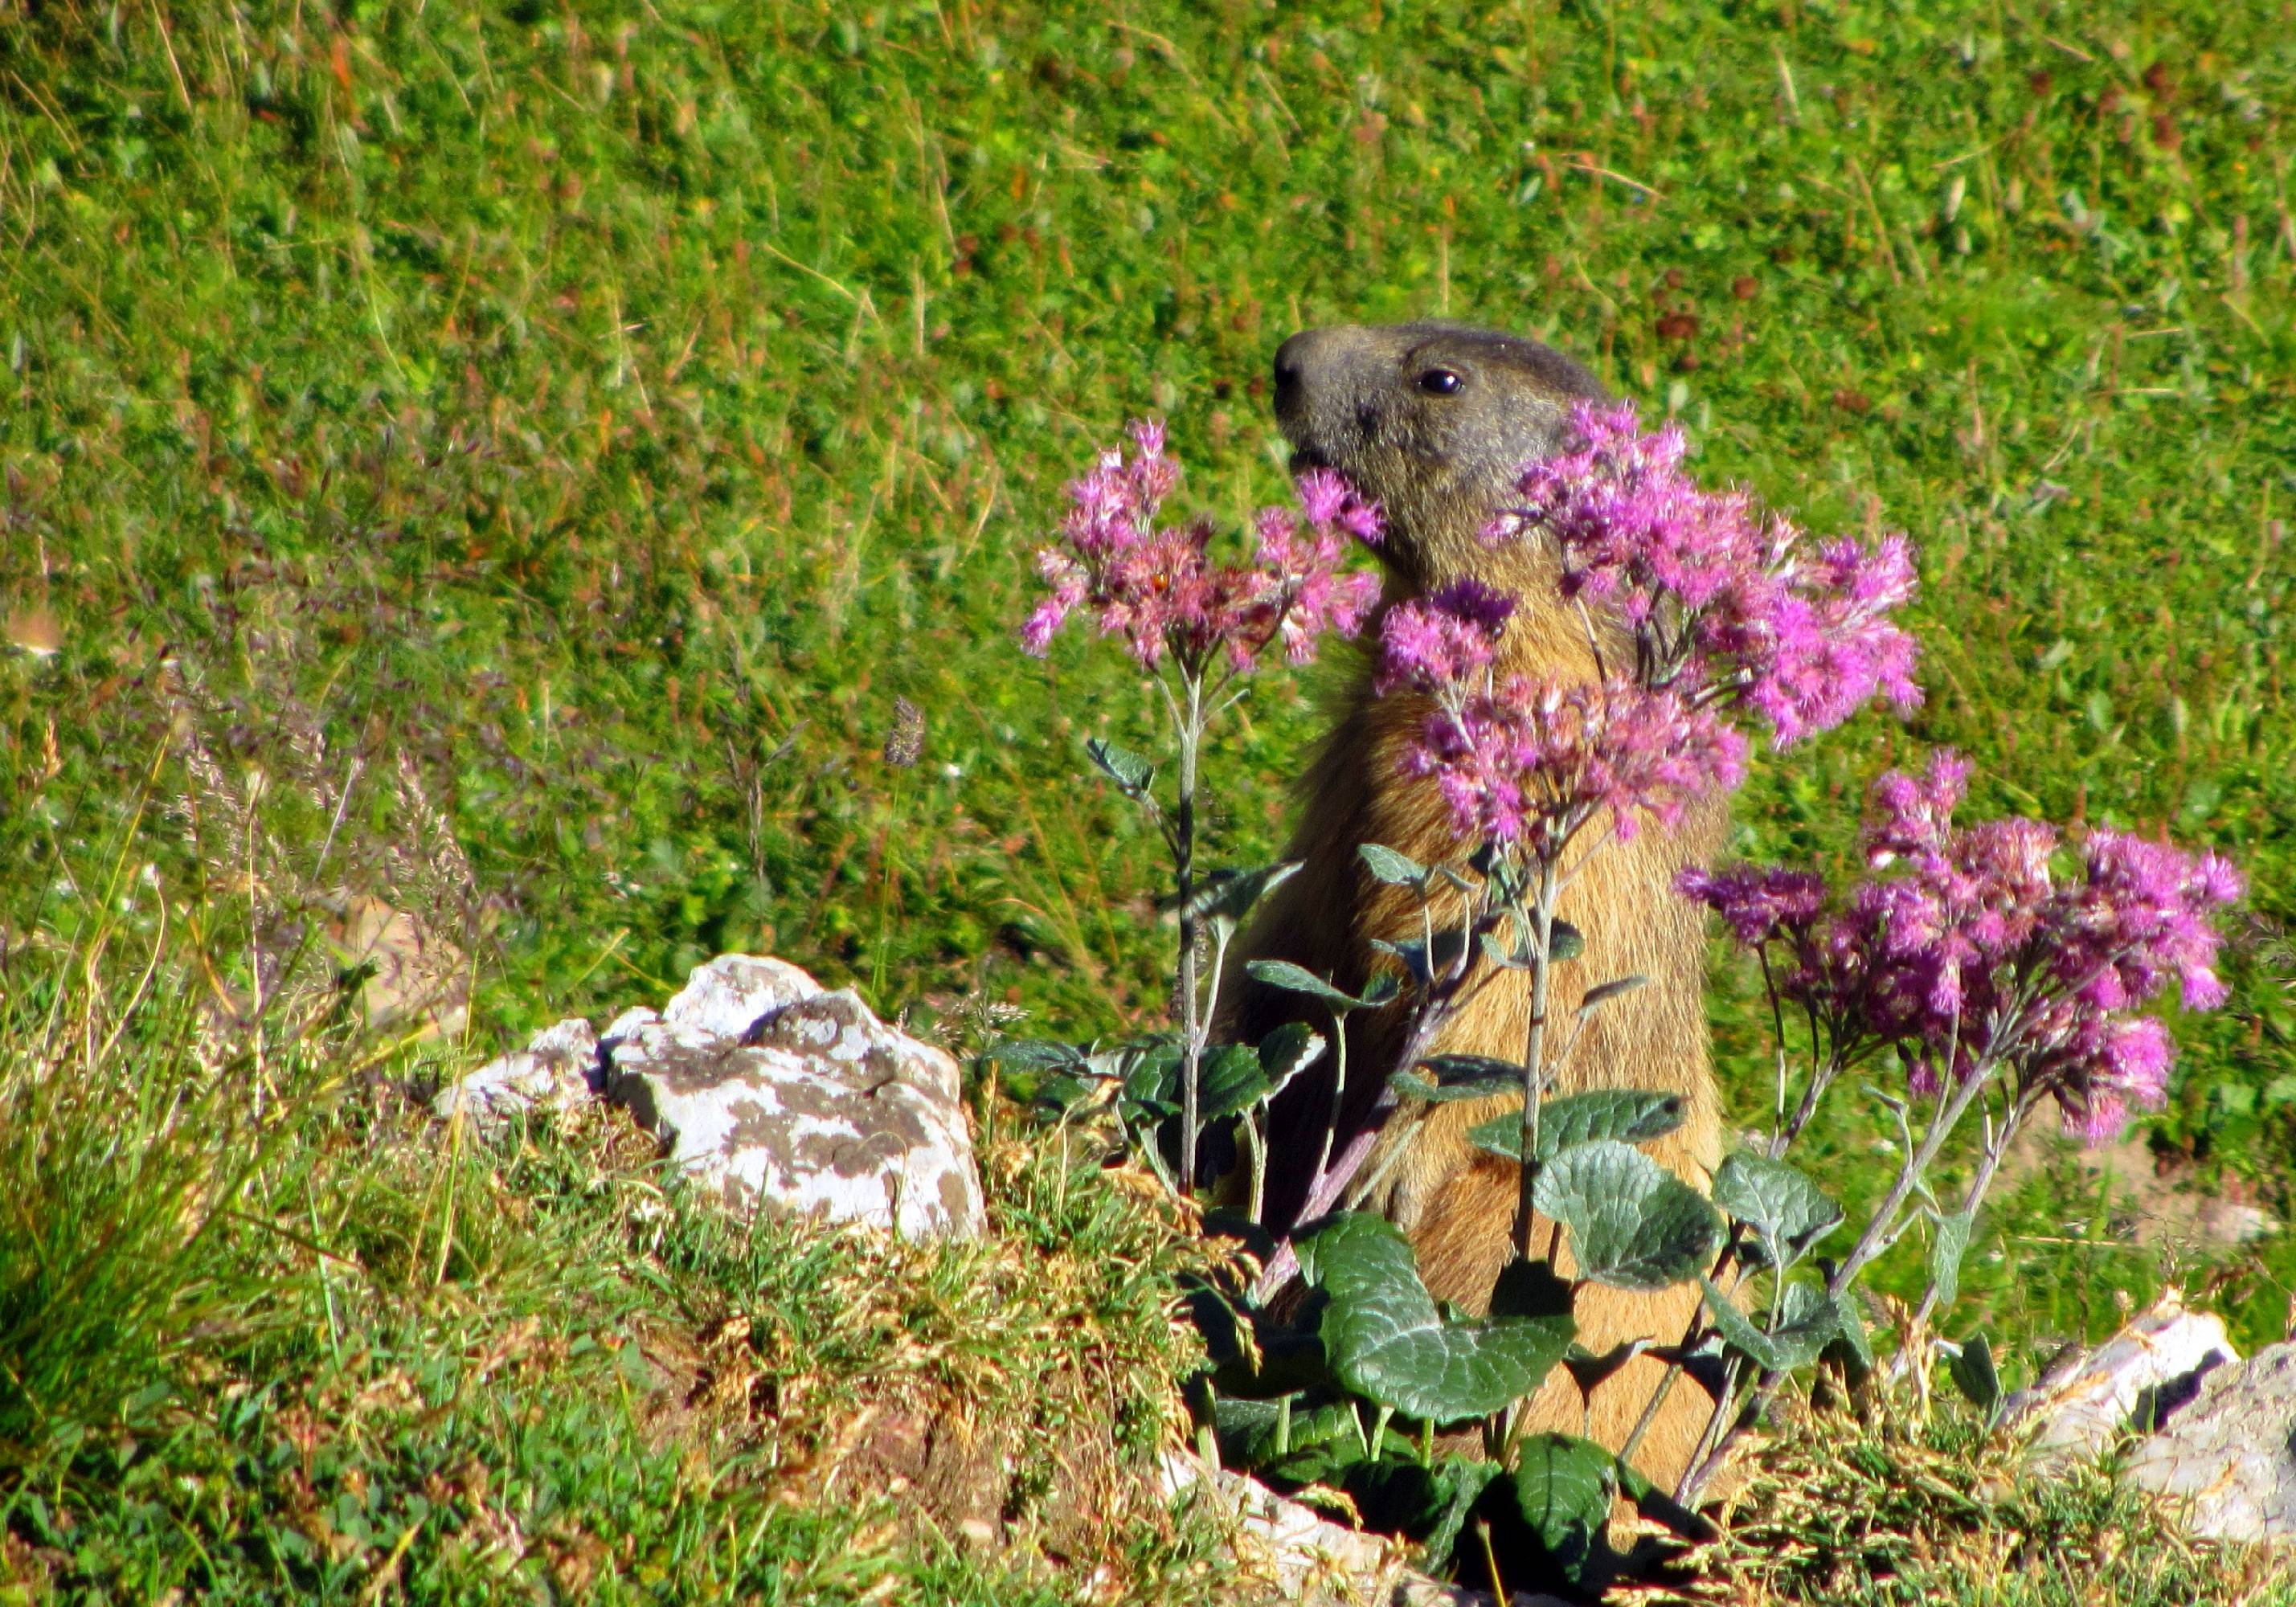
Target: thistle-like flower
x,y
1157,586
1730,603
1971,947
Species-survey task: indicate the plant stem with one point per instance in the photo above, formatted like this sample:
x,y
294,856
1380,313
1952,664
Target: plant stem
x,y
1974,1195
1339,1091
1184,854
1542,971
1877,1237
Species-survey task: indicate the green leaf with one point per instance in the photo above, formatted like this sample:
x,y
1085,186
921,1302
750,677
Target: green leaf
x,y
1563,1487
1851,1345
1565,941
1629,1115
1459,1077
1298,978
1597,997
1397,870
1947,1245
1130,771
1230,1081
1226,898
1041,1054
1386,1341
1499,955
1461,1483
1738,1329
1287,1051
1808,1321
1425,962
1976,1377
1634,1225
1787,1209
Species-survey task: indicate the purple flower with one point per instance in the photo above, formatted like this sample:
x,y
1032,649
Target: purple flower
x,y
1968,946
1719,598
1441,645
1532,762
1156,585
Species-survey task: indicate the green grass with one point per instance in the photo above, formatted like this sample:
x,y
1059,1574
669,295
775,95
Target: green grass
x,y
605,411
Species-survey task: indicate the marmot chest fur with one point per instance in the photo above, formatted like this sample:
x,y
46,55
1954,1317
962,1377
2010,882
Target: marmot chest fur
x,y
1436,421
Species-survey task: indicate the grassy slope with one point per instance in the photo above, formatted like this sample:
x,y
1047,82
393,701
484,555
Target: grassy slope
x,y
612,410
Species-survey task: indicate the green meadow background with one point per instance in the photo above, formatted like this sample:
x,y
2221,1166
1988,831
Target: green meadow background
x,y
590,419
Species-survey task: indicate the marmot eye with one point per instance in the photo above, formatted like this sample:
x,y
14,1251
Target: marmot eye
x,y
1438,382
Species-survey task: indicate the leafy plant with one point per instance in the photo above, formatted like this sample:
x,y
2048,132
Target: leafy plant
x,y
1963,955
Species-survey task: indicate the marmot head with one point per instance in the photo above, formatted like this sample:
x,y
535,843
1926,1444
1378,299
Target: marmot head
x,y
1435,421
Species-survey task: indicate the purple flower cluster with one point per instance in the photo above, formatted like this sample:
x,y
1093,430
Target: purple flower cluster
x,y
1735,603
1967,946
1726,611
1158,588
1532,761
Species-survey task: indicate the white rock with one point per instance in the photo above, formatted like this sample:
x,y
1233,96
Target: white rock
x,y
559,1068
726,997
786,1098
2228,1456
1309,1559
2139,1377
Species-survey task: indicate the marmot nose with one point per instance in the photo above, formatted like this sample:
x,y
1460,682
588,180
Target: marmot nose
x,y
1307,362
1290,370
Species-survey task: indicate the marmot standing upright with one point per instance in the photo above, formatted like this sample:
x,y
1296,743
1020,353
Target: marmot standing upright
x,y
1436,421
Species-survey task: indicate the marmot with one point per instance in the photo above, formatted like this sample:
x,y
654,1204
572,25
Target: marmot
x,y
1436,421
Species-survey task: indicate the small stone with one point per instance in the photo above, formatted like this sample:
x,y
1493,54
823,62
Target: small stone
x,y
784,1097
2229,1457
1308,1558
558,1069
2138,1378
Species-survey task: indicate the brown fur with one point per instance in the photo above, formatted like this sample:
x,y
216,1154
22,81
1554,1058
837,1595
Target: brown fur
x,y
1441,465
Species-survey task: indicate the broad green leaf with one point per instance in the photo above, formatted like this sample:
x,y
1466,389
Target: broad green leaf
x,y
1565,941
1588,1371
1499,955
1298,978
1461,1483
1150,1069
1975,1375
1424,961
1122,766
1287,1051
1563,1487
1739,1332
1397,870
1231,1081
1629,1115
1947,1245
1452,1069
1787,1209
1806,1323
1634,1225
1410,1084
1852,1346
1386,1341
1041,1054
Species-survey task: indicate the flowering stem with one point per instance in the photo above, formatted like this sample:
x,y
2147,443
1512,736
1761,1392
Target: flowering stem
x,y
1997,1145
1879,1235
1542,969
1191,723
